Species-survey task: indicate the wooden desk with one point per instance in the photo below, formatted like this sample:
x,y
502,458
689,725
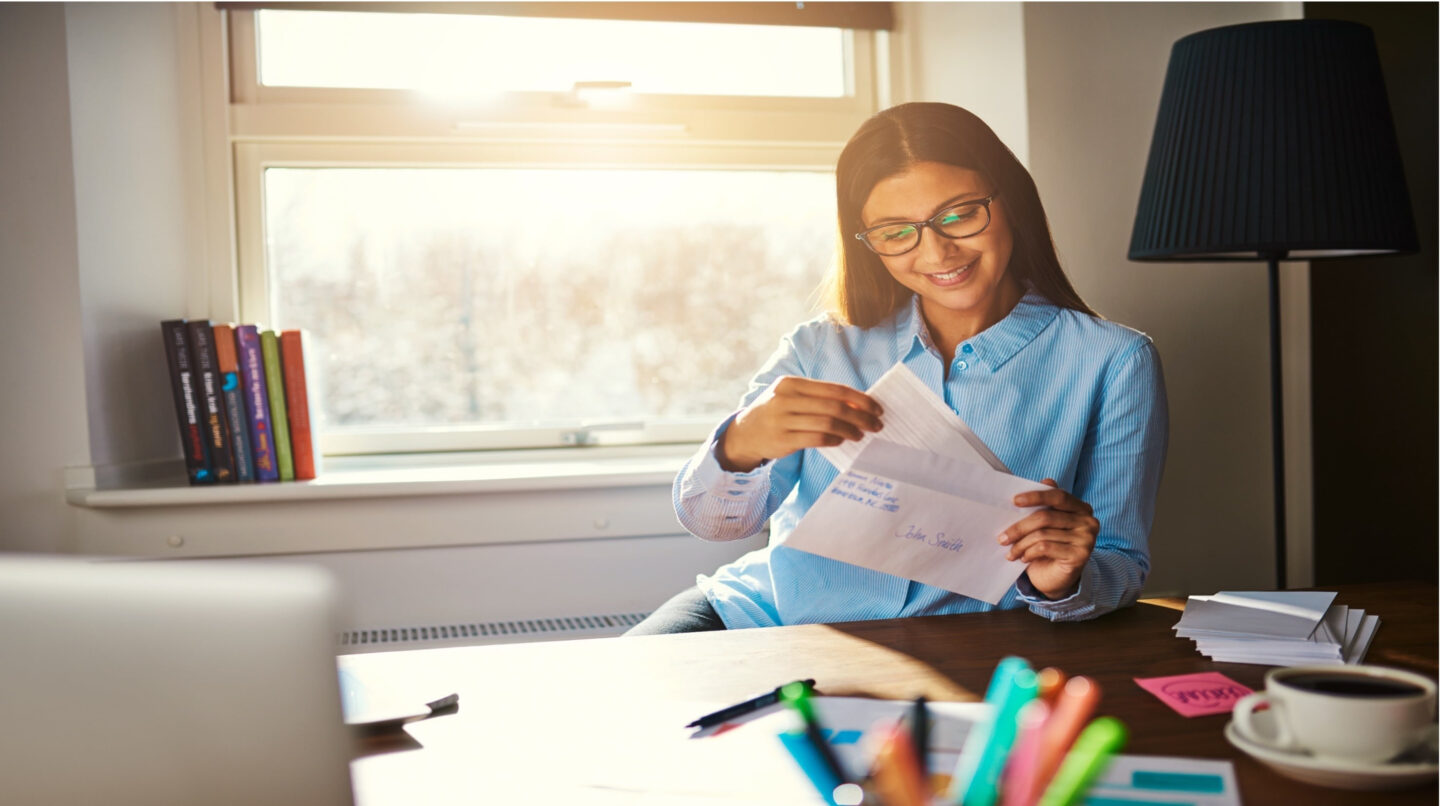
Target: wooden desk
x,y
594,682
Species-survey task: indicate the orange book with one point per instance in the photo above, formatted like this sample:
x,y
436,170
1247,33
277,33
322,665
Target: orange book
x,y
299,399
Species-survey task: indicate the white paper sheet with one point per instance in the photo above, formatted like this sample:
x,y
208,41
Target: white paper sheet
x,y
922,516
915,418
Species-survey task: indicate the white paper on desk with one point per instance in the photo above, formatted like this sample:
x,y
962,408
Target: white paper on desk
x,y
915,418
921,516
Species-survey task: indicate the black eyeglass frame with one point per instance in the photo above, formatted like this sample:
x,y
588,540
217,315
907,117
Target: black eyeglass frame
x,y
930,222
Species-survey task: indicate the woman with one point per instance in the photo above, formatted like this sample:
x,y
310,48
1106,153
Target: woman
x,y
947,265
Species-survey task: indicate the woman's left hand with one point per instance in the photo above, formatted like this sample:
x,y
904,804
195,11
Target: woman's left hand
x,y
1056,542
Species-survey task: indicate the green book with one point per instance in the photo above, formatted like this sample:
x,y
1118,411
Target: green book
x,y
279,420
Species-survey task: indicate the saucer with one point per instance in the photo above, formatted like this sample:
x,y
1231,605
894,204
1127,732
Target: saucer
x,y
1329,772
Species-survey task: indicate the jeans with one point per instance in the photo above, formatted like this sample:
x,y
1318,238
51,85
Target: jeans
x,y
687,611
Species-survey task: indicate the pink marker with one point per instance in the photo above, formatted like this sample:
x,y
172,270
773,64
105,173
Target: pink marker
x,y
1020,789
1073,708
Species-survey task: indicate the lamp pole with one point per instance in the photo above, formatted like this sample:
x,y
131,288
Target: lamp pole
x,y
1277,414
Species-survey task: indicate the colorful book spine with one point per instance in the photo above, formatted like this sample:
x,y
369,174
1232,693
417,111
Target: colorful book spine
x,y
217,429
279,419
257,402
187,404
228,363
300,400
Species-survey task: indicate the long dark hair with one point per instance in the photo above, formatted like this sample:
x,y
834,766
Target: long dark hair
x,y
862,291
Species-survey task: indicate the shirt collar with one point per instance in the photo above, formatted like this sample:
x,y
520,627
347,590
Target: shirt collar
x,y
993,346
911,334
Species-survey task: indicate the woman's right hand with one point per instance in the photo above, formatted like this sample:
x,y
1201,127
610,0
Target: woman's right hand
x,y
795,413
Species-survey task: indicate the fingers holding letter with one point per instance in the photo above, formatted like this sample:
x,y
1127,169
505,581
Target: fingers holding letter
x,y
793,414
1055,542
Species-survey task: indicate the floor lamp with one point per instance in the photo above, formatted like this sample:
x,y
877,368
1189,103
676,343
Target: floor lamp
x,y
1274,142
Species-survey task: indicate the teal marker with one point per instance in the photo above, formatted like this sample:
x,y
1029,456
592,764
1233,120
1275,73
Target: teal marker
x,y
984,788
1000,680
1087,758
977,757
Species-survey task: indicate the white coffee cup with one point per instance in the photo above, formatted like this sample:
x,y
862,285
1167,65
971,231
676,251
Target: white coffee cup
x,y
1367,714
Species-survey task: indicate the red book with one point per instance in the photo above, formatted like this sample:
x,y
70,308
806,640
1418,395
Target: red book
x,y
299,397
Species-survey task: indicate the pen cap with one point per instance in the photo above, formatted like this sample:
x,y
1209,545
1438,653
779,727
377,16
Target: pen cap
x,y
797,696
1052,681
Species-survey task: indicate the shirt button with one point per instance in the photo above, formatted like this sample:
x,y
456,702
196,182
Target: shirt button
x,y
962,365
967,349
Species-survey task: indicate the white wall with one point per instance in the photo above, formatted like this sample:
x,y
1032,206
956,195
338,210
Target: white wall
x,y
1095,73
971,55
42,395
131,197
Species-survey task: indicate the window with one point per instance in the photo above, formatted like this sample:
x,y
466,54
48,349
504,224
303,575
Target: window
x,y
528,232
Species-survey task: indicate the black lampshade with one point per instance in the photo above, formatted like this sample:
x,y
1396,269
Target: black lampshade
x,y
1274,137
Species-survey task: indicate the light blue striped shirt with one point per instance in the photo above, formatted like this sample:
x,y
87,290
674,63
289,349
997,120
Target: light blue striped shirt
x,y
1055,393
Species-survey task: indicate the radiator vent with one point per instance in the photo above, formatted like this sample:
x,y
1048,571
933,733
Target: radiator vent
x,y
487,632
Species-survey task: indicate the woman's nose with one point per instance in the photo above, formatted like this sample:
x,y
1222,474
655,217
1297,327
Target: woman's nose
x,y
934,246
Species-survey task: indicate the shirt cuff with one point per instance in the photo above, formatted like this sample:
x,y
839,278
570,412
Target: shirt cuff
x,y
1076,602
716,480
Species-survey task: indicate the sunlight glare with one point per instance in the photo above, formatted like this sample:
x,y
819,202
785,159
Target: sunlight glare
x,y
465,55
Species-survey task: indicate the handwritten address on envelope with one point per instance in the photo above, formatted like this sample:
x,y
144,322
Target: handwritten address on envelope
x,y
878,492
919,515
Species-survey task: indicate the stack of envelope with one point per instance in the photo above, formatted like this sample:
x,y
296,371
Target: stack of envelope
x,y
1277,628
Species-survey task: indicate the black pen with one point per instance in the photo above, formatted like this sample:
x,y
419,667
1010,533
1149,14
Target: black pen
x,y
920,736
742,708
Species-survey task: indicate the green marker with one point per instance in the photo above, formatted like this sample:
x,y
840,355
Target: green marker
x,y
1087,758
797,696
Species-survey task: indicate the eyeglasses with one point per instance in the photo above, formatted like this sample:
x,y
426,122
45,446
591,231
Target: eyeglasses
x,y
957,221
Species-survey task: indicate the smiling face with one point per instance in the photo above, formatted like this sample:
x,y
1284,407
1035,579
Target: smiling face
x,y
963,283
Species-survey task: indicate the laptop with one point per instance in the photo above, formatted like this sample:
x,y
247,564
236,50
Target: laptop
x,y
159,683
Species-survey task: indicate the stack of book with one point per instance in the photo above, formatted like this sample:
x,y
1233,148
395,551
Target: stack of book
x,y
1277,628
244,402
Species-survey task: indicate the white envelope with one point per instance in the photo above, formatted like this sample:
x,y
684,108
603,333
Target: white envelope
x,y
916,418
919,515
1272,614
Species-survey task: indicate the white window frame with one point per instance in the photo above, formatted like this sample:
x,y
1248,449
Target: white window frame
x,y
320,127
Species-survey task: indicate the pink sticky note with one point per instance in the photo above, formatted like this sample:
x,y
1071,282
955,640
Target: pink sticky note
x,y
1199,694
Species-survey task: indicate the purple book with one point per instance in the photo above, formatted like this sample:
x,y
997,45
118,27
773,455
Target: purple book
x,y
257,402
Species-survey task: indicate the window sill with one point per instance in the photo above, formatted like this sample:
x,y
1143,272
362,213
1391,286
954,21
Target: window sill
x,y
392,476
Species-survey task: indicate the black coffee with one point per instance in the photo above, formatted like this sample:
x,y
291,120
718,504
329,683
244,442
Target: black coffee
x,y
1352,685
